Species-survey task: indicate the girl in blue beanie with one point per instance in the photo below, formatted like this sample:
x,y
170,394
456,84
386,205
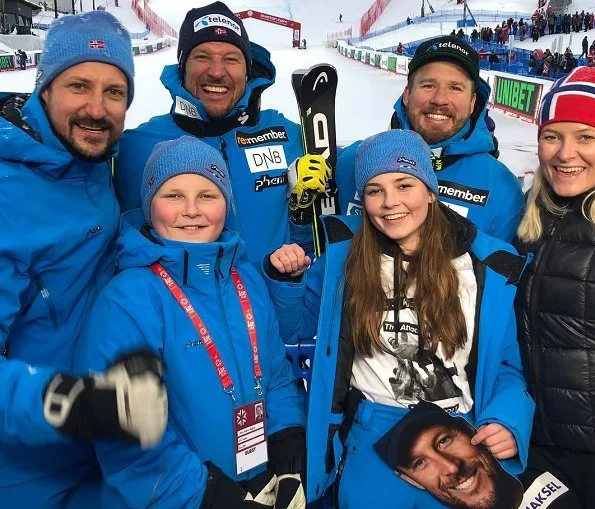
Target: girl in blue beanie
x,y
409,303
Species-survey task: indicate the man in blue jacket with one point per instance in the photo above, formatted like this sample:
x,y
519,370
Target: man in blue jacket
x,y
216,88
445,101
58,222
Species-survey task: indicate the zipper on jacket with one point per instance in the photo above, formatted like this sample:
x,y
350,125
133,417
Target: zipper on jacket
x,y
232,205
223,147
533,343
240,383
44,292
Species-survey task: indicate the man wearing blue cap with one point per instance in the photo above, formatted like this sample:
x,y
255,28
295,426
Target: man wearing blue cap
x,y
446,101
58,221
216,89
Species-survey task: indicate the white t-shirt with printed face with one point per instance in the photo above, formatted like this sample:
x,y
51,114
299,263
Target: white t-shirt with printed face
x,y
408,374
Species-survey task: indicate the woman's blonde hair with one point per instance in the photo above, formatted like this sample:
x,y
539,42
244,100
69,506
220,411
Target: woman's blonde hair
x,y
542,198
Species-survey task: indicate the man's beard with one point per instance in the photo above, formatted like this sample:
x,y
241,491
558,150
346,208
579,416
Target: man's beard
x,y
92,123
433,137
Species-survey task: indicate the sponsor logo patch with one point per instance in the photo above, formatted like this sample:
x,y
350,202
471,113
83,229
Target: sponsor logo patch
x,y
267,181
410,162
267,158
183,107
216,20
463,193
277,133
444,45
353,209
544,490
243,118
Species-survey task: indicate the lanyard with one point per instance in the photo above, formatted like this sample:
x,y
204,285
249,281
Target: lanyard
x,y
206,337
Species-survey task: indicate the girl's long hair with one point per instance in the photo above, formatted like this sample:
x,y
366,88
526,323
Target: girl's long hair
x,y
542,198
436,283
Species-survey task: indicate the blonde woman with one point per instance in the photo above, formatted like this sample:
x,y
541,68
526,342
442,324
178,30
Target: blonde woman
x,y
556,297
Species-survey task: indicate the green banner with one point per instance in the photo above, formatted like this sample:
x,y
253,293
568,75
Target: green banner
x,y
135,50
359,54
351,53
367,57
149,48
377,60
517,96
37,57
159,45
6,62
392,64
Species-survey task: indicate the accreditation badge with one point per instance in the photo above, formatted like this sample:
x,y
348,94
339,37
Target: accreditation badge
x,y
250,436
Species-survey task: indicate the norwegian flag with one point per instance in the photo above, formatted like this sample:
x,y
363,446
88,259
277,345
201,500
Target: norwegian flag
x,y
96,44
221,31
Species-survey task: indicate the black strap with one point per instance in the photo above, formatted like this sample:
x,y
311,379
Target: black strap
x,y
443,162
354,398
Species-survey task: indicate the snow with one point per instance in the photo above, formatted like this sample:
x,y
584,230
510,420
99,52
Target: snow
x,y
318,17
124,13
365,95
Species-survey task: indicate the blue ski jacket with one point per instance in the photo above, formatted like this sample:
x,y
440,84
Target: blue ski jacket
x,y
314,305
58,222
257,145
471,181
137,311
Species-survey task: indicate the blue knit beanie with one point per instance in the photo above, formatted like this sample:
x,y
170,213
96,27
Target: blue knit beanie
x,y
176,157
95,36
396,151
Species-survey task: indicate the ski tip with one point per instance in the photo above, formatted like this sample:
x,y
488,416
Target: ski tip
x,y
321,65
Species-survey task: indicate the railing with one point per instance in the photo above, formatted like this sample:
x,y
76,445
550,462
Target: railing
x,y
445,15
157,25
371,15
343,34
515,61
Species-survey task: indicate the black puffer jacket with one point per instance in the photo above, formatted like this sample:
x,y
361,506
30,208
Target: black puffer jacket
x,y
556,325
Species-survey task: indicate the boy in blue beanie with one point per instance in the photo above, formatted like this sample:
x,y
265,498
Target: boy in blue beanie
x,y
58,223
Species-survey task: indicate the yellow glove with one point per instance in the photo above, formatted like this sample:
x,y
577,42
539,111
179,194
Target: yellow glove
x,y
307,176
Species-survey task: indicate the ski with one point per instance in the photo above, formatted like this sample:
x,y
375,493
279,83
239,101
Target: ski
x,y
315,94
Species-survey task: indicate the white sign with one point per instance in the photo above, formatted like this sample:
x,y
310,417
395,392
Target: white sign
x,y
267,158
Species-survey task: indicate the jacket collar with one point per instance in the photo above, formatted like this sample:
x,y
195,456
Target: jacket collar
x,y
190,115
189,264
